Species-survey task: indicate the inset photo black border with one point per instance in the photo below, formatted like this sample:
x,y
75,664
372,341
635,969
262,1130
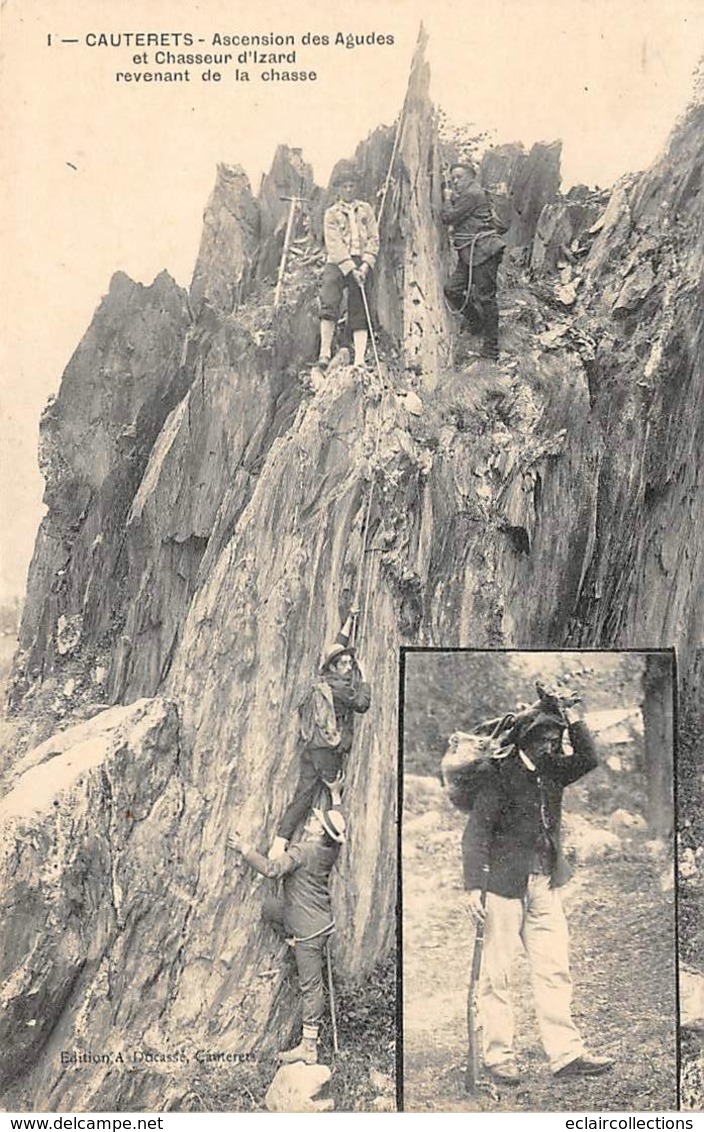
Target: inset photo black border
x,y
597,1087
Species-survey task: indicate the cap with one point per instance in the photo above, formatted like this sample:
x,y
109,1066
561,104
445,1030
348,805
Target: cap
x,y
468,166
345,171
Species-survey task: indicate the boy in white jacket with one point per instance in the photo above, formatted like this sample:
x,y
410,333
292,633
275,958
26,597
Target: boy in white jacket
x,y
352,245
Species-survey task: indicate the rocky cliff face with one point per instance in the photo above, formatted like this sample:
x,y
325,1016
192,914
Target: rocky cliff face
x,y
641,304
97,816
228,246
211,517
95,441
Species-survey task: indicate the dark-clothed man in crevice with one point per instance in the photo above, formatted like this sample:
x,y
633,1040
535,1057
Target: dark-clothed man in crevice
x,y
471,289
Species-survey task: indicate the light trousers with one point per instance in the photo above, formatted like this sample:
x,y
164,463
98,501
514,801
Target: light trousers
x,y
538,922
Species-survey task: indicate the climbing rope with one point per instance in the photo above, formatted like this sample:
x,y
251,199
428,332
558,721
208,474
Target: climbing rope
x,y
471,244
394,151
365,530
358,635
470,272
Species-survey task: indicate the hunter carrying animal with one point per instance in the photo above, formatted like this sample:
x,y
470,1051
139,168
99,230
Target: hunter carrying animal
x,y
514,867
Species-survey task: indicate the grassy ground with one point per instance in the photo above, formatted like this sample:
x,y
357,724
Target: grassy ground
x,y
365,1068
622,955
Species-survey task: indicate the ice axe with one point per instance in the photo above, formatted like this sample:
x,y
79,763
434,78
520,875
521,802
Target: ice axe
x,y
287,241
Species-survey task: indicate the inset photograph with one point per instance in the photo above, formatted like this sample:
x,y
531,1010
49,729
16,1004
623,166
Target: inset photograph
x,y
538,896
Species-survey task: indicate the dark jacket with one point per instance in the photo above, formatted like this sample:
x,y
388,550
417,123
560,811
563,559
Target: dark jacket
x,y
327,712
350,694
515,810
470,215
306,869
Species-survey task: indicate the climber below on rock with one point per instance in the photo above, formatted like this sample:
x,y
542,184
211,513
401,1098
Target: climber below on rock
x,y
471,289
304,914
352,246
327,729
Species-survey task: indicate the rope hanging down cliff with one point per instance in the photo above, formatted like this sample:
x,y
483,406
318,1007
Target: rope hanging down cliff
x,y
358,631
394,151
359,606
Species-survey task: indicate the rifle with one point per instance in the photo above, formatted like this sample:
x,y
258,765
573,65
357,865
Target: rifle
x,y
472,1071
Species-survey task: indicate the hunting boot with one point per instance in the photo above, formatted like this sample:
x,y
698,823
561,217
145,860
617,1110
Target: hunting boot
x,y
359,337
327,330
306,1050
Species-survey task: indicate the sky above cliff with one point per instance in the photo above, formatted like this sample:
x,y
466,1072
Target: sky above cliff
x,y
102,175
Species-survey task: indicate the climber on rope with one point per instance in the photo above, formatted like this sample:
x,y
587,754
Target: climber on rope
x,y
327,729
304,915
471,289
352,246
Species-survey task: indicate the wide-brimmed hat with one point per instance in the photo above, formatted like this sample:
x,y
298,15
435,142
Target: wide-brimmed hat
x,y
335,652
333,823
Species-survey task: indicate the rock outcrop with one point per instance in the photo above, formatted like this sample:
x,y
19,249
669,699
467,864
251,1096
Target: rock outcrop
x,y
199,478
289,176
225,262
295,1088
97,830
560,231
500,166
95,441
535,183
646,577
410,302
524,190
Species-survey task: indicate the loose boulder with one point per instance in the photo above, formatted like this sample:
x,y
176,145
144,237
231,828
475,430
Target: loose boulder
x,y
295,1088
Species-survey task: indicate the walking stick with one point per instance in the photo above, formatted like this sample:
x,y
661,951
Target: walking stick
x,y
472,1071
331,993
370,328
287,240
